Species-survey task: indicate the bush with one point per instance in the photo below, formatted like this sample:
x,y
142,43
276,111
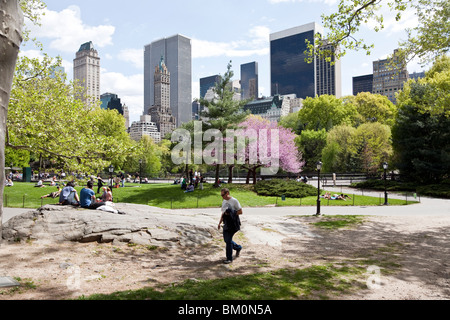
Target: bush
x,y
434,190
288,188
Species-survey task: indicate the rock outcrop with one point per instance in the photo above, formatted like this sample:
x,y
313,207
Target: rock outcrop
x,y
139,224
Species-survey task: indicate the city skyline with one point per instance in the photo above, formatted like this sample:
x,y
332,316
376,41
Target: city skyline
x,y
120,34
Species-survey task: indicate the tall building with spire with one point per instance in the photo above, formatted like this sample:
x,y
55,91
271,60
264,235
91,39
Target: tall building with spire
x,y
177,53
161,112
86,69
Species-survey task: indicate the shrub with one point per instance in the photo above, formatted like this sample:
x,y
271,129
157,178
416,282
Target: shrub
x,y
288,188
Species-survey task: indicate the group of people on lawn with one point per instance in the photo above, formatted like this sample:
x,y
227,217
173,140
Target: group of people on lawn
x,y
68,195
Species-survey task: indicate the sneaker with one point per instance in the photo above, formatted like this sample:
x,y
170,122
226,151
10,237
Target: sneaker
x,y
238,252
227,261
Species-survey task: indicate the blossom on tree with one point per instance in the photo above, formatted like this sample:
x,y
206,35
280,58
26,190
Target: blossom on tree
x,y
269,146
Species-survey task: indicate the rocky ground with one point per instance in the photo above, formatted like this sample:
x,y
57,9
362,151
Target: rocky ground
x,y
415,249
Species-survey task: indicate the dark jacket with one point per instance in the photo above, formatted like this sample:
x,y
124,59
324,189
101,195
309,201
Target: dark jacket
x,y
232,222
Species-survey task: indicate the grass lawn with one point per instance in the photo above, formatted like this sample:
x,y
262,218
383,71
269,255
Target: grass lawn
x,y
25,195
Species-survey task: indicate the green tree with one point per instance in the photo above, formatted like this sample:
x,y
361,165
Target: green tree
x,y
338,153
291,121
421,133
311,143
373,108
428,40
325,112
45,117
372,146
223,112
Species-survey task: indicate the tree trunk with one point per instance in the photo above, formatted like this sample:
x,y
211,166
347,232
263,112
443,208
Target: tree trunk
x,y
230,173
10,39
216,179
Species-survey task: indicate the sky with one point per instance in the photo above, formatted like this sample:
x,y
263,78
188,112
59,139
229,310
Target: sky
x,y
221,31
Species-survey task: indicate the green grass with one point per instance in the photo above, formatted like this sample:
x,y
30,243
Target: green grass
x,y
316,282
172,197
339,222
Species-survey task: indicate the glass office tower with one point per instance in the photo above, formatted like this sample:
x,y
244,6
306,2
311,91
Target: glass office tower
x,y
208,83
249,81
291,74
177,54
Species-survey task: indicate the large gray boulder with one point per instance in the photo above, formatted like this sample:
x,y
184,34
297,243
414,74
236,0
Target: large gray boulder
x,y
139,224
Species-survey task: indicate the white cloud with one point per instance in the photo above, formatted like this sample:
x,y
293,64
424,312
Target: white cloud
x,y
67,31
135,56
391,25
130,90
256,44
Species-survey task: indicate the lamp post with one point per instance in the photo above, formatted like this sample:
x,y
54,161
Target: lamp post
x,y
385,167
111,170
140,171
319,167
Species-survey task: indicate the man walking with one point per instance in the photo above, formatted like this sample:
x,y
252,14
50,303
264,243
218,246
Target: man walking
x,y
231,210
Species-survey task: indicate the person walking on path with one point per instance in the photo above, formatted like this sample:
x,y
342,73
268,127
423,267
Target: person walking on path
x,y
231,210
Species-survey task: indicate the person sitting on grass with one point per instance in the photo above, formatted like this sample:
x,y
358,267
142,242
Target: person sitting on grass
x,y
190,188
53,194
87,197
40,184
69,195
107,194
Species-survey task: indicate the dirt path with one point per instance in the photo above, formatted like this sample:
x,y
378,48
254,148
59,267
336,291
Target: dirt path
x,y
415,249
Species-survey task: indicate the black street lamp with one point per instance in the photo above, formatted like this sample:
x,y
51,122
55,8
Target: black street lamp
x,y
385,167
319,167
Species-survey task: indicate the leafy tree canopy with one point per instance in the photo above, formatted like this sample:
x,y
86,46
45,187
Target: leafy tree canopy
x,y
428,40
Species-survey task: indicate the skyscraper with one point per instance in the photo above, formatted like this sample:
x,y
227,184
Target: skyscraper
x,y
362,84
249,81
389,76
161,112
291,74
208,83
177,54
86,69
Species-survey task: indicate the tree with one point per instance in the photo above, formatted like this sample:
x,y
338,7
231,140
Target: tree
x,y
45,117
265,149
372,146
428,40
311,144
338,152
324,112
373,108
223,112
291,121
421,133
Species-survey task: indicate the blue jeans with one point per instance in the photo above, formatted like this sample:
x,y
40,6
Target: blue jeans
x,y
230,244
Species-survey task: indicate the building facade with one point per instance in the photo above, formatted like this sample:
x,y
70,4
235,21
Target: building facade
x,y
207,83
270,108
389,76
177,54
363,84
249,81
291,74
144,127
161,112
86,69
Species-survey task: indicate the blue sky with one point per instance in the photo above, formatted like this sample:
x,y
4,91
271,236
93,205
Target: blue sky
x,y
221,30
